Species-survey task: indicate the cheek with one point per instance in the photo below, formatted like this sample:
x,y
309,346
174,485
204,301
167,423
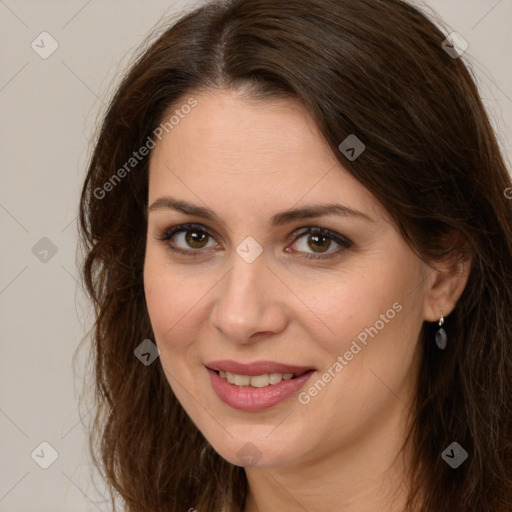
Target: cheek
x,y
166,296
371,315
175,299
344,305
370,324
172,305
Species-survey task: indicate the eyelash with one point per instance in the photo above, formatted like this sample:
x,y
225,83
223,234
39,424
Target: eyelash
x,y
345,243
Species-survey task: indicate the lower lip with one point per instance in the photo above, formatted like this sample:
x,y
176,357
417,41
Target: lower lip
x,y
247,398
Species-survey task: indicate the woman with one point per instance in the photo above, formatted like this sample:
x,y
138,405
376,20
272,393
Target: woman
x,y
298,241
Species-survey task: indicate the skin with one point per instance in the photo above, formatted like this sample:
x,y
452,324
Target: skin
x,y
247,160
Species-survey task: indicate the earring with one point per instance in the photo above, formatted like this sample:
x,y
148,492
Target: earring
x,y
441,338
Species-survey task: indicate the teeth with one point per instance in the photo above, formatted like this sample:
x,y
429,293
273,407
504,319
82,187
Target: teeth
x,y
276,378
256,381
241,380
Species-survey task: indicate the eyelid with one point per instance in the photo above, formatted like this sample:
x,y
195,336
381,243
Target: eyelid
x,y
337,237
167,233
295,235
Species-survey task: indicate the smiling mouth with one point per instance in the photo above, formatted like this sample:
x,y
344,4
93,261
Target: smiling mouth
x,y
258,381
256,386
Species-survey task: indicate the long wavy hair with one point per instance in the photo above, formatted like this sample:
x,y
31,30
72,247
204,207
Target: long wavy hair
x,y
375,68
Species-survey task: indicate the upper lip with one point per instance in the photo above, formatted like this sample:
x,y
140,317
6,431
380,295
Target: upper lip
x,y
256,368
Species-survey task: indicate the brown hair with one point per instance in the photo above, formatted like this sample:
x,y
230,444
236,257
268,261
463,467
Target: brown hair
x,y
374,68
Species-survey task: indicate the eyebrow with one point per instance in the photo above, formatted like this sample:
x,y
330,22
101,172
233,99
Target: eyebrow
x,y
278,219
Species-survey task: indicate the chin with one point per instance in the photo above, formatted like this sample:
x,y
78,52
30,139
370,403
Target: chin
x,y
257,451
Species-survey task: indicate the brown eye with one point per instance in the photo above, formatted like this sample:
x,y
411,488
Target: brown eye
x,y
190,239
195,238
186,238
319,243
319,240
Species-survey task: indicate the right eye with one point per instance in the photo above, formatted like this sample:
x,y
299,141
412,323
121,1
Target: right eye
x,y
191,235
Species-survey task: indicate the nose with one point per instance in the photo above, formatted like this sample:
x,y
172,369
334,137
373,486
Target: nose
x,y
250,302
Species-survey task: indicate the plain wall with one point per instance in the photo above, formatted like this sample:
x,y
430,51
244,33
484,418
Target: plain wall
x,y
49,111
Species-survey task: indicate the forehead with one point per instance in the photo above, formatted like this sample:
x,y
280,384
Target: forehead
x,y
268,152
224,125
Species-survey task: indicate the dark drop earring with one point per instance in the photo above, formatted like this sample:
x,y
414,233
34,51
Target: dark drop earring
x,y
441,338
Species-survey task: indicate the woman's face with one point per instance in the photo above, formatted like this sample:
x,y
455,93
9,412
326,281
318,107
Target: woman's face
x,y
251,286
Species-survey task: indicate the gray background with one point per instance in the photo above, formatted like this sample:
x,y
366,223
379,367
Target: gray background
x,y
49,111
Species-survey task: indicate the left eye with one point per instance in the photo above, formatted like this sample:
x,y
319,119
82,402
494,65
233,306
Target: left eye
x,y
319,240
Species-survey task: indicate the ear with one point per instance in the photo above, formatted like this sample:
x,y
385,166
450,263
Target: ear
x,y
446,284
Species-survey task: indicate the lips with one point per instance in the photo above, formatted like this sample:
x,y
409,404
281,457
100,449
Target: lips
x,y
256,368
253,399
